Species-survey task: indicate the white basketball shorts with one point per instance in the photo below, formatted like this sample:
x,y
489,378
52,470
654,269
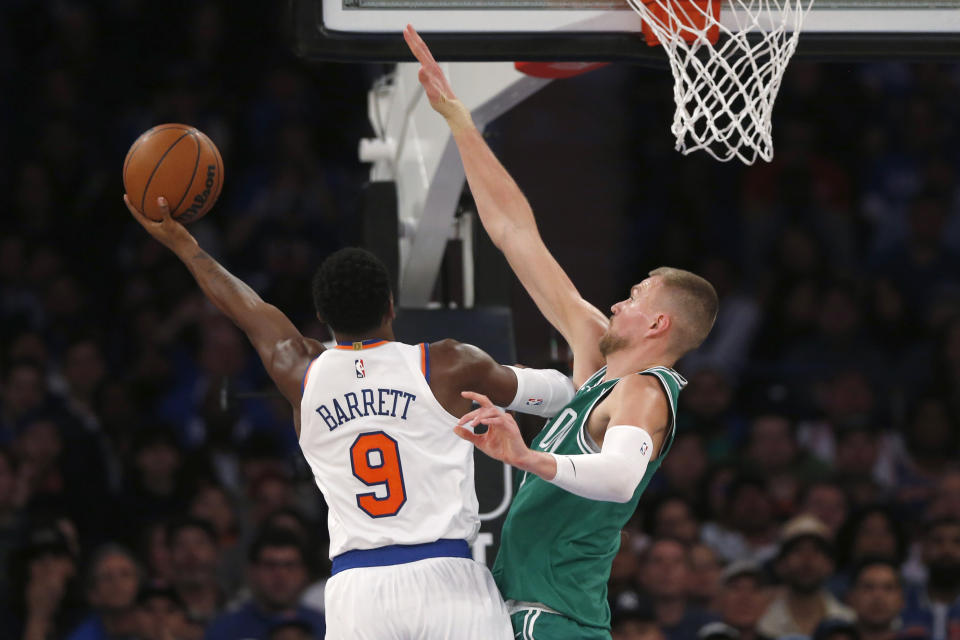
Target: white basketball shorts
x,y
430,599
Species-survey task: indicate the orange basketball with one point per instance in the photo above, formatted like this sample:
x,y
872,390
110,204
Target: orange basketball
x,y
177,162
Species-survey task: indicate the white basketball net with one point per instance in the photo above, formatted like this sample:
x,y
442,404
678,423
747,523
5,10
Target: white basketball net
x,y
725,92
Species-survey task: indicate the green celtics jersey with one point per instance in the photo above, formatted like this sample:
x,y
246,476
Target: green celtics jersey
x,y
556,548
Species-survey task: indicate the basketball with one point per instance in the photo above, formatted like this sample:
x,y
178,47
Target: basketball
x,y
178,162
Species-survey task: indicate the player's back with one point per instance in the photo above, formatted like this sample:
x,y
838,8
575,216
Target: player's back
x,y
403,508
383,451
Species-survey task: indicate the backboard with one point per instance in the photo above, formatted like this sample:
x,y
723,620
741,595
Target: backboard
x,y
598,30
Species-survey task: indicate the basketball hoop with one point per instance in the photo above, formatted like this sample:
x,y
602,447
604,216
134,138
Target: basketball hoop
x,y
726,73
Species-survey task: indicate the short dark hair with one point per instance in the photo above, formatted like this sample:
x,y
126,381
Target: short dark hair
x,y
874,561
105,551
190,522
351,291
272,537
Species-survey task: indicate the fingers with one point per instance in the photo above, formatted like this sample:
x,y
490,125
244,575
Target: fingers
x,y
417,46
479,398
161,204
479,415
164,207
468,435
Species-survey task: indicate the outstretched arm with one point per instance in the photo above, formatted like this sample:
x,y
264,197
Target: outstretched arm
x,y
633,436
508,219
284,351
457,366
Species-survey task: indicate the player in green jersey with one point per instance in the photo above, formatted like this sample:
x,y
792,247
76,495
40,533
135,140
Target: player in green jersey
x,y
584,473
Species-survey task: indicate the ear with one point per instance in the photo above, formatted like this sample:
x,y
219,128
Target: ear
x,y
391,311
659,326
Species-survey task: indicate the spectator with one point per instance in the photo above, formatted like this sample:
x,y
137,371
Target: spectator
x,y
212,503
931,437
873,532
665,575
46,600
836,630
277,575
772,447
11,518
635,622
717,631
24,391
876,596
293,630
804,564
743,598
82,373
194,559
684,468
935,606
112,583
748,528
707,407
825,501
154,489
316,542
161,614
673,517
623,587
705,577
156,552
946,499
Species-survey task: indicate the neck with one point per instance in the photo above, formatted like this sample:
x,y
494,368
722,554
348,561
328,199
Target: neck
x,y
275,609
200,597
159,485
868,633
807,609
120,623
383,332
626,361
749,633
669,610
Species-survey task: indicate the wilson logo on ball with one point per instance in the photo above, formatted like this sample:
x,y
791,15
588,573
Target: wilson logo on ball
x,y
198,200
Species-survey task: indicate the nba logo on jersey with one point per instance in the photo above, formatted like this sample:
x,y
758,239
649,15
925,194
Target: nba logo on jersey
x,y
643,449
358,365
534,402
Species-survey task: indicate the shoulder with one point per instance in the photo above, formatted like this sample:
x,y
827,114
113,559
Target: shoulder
x,y
459,356
639,388
454,349
89,629
639,399
224,626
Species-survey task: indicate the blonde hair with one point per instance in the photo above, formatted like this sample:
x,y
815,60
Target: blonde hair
x,y
696,302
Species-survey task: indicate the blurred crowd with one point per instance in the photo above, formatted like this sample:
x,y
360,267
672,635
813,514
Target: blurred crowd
x,y
150,483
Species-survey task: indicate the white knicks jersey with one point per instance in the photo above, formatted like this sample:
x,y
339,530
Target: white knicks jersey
x,y
383,451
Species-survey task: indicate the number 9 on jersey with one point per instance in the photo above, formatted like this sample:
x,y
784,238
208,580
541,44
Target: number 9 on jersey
x,y
375,458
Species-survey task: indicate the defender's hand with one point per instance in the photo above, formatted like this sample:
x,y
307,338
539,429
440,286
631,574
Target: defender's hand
x,y
502,439
431,76
168,231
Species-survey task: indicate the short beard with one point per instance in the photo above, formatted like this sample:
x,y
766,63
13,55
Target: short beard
x,y
610,342
805,588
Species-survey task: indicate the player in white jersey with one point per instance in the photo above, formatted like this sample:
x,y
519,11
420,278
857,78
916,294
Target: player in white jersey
x,y
375,421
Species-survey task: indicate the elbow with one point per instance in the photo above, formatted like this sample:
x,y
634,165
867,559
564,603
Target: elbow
x,y
620,494
624,491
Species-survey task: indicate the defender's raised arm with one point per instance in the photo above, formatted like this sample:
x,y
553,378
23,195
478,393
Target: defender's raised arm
x,y
508,219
